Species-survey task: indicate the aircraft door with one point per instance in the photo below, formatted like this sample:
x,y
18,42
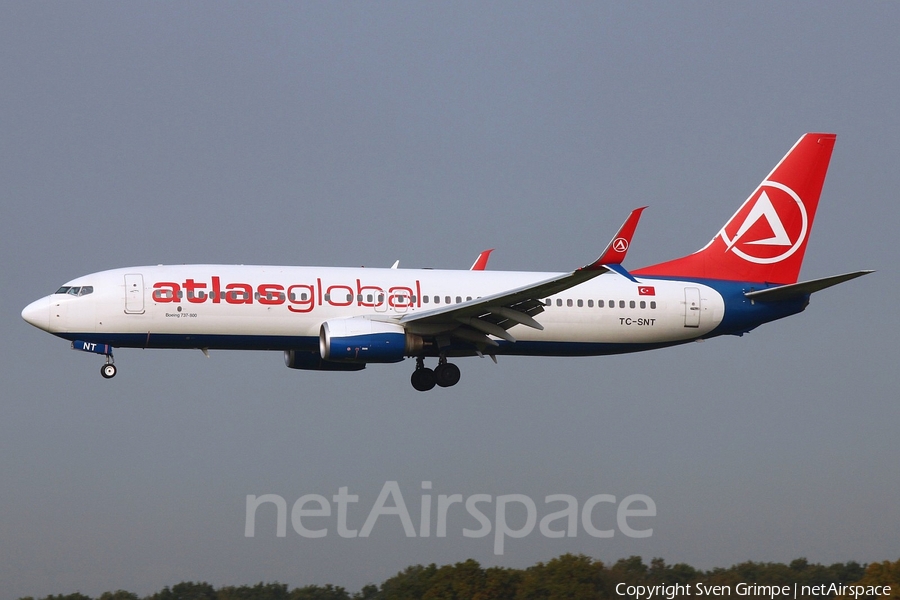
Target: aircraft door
x,y
134,294
691,307
399,302
381,304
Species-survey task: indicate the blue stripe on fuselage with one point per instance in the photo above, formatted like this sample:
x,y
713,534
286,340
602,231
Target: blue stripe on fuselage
x,y
193,341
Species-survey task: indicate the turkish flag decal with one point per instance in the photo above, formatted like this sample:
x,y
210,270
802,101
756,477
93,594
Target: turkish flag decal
x,y
646,290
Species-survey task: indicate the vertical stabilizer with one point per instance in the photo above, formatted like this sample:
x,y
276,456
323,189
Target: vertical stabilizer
x,y
766,238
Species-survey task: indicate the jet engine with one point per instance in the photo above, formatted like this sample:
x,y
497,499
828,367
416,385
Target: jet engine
x,y
361,340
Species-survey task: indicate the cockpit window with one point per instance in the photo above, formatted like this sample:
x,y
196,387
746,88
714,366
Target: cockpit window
x,y
83,290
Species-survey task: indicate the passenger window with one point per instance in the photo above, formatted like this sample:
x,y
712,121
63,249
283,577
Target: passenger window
x,y
349,297
612,303
468,298
327,297
548,302
653,304
559,301
643,304
446,299
425,299
590,304
580,303
437,299
569,302
621,304
599,303
631,304
458,299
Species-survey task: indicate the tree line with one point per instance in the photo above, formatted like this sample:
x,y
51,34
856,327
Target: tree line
x,y
570,577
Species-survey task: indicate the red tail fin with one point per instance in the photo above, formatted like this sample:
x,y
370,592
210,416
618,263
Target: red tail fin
x,y
766,238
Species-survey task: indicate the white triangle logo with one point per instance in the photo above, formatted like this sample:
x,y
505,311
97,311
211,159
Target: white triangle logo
x,y
763,209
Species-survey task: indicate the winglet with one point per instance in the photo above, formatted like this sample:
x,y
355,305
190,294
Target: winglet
x,y
481,262
617,249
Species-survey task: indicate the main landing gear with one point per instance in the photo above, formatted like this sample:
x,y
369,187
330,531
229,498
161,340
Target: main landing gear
x,y
445,375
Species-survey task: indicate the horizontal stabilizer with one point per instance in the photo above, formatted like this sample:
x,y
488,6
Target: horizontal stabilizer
x,y
803,288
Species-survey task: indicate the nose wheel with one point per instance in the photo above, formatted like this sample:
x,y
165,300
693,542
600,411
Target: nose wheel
x,y
444,375
109,369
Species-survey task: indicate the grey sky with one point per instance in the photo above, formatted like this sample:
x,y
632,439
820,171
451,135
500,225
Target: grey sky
x,y
348,134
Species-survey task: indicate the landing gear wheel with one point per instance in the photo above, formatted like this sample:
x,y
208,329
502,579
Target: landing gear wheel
x,y
446,374
423,379
108,371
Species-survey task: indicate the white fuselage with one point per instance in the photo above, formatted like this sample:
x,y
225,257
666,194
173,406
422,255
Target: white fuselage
x,y
271,307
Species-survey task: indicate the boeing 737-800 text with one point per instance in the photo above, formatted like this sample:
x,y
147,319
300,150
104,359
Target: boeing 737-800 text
x,y
341,319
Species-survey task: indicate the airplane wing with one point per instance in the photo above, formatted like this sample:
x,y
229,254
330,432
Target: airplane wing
x,y
476,319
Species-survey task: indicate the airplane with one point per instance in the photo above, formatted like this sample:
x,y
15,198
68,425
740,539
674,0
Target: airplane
x,y
342,319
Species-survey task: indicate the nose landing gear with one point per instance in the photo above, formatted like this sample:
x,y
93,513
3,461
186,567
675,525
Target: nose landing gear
x,y
445,375
108,370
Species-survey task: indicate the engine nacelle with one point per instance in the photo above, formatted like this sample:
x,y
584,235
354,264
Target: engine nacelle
x,y
360,340
311,361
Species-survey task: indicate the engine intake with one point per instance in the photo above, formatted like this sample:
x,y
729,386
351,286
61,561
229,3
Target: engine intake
x,y
360,340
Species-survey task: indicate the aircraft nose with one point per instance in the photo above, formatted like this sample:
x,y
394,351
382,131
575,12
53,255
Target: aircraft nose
x,y
38,313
